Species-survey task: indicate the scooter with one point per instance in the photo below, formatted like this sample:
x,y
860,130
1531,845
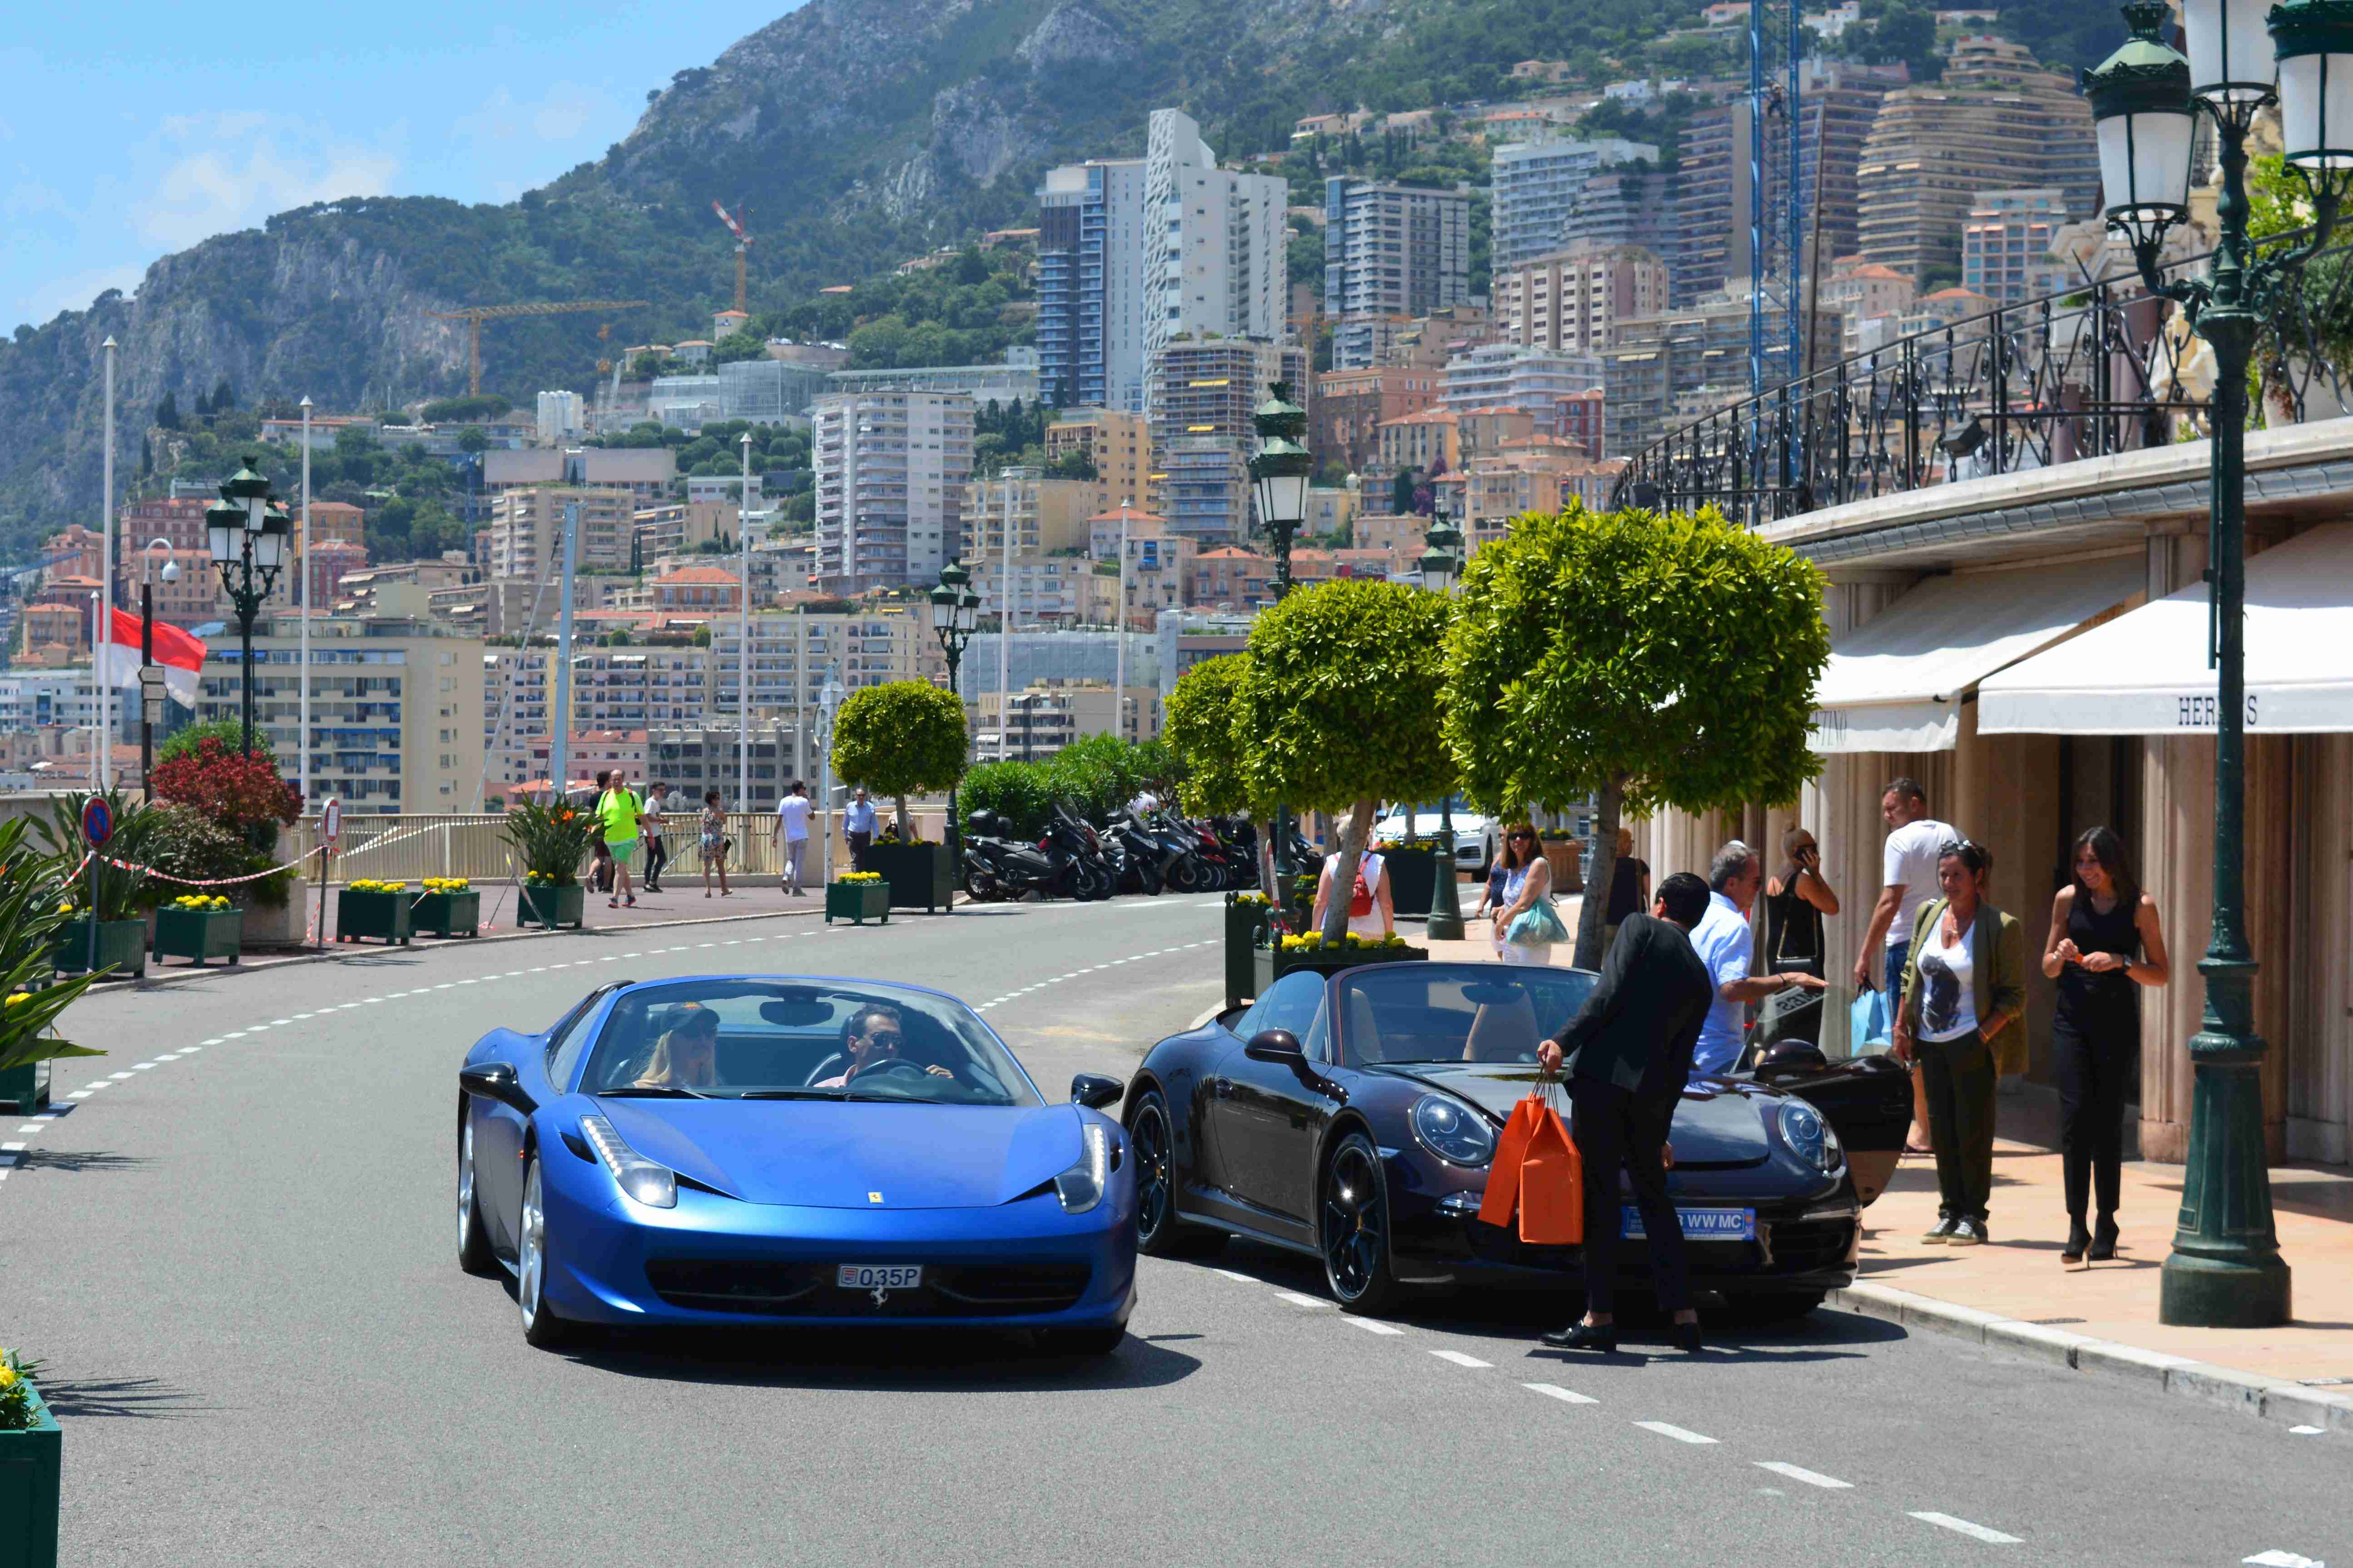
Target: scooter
x,y
998,867
1142,853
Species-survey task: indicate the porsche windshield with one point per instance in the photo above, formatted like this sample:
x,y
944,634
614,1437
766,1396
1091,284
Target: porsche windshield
x,y
1456,1012
772,1040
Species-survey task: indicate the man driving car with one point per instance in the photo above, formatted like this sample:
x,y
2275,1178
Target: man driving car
x,y
872,1036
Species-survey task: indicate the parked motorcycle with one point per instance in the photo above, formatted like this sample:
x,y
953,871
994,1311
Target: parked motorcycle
x,y
997,866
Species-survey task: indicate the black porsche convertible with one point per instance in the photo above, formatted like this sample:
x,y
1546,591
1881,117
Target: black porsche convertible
x,y
1353,1115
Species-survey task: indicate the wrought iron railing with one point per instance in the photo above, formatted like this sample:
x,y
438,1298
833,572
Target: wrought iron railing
x,y
2099,369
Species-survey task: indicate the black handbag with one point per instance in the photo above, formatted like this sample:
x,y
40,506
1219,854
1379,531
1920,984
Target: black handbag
x,y
1794,1015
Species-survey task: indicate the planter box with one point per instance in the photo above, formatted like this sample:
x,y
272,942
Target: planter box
x,y
25,1091
32,1462
1413,880
360,915
199,934
1271,963
286,925
448,914
551,907
916,874
858,902
1566,858
122,946
1245,929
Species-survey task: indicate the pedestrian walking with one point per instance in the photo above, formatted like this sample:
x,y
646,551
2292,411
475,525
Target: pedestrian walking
x,y
711,838
650,830
1371,913
616,810
1491,898
1797,896
1627,1054
791,837
1525,926
858,827
600,862
1964,985
1726,944
1629,887
1907,882
2105,943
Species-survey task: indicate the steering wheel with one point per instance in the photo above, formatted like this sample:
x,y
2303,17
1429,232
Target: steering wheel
x,y
890,1063
825,1069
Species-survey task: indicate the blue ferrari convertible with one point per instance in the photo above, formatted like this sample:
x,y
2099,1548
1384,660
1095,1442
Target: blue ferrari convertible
x,y
748,1150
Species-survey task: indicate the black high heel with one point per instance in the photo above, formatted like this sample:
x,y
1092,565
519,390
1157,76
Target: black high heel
x,y
1687,1337
2078,1238
2103,1239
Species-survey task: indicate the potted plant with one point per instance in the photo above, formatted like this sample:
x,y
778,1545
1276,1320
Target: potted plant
x,y
32,1459
1277,959
32,912
219,818
369,908
1245,934
1411,867
899,739
552,841
448,906
198,927
109,888
858,897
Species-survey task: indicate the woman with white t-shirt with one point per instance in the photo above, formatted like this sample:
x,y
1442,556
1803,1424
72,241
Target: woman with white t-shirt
x,y
1371,914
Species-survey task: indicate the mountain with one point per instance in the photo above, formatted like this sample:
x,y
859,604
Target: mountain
x,y
860,131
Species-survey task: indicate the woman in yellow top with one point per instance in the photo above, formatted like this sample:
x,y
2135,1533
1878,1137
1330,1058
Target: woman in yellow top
x,y
617,808
1964,988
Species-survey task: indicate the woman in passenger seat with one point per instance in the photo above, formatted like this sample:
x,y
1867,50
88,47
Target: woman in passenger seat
x,y
687,1055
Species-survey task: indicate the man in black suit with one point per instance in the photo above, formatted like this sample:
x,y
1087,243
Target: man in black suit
x,y
1628,1052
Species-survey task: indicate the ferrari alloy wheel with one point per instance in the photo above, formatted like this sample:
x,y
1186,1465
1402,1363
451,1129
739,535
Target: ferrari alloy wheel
x,y
474,1255
542,1326
1354,1234
1159,1233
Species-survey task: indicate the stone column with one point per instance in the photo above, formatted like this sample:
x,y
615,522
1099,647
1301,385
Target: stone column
x,y
2176,868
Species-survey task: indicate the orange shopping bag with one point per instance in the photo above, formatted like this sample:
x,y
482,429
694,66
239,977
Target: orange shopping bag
x,y
1552,1185
1504,1171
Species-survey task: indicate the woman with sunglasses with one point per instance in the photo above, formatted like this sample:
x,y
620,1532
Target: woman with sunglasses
x,y
687,1055
1525,926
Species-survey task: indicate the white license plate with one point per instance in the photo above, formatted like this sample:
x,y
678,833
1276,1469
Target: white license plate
x,y
1699,1224
879,1276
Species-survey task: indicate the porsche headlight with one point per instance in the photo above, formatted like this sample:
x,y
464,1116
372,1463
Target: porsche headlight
x,y
1082,1186
1808,1136
1452,1131
656,1186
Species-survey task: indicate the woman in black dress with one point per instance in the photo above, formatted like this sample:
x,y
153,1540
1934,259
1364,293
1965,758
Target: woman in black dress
x,y
2105,941
1797,896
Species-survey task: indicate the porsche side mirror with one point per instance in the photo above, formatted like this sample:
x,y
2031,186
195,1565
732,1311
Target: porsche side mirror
x,y
1094,1091
496,1080
1274,1046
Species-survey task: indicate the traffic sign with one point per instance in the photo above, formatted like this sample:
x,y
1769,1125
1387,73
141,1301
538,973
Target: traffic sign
x,y
97,821
331,820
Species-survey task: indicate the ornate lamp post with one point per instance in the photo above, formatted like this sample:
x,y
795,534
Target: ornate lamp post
x,y
247,531
956,610
2225,1269
151,704
1279,473
1441,564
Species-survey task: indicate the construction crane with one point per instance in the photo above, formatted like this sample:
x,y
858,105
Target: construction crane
x,y
475,315
735,222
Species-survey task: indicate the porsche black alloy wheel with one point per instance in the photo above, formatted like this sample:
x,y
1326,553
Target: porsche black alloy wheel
x,y
1159,1233
1354,1231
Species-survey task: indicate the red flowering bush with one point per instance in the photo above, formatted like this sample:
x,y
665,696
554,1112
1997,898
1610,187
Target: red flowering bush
x,y
243,793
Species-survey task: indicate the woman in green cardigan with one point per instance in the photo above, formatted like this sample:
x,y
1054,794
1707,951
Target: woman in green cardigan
x,y
1964,990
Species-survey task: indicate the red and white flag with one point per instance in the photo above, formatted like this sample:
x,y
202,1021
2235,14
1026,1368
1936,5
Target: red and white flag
x,y
180,657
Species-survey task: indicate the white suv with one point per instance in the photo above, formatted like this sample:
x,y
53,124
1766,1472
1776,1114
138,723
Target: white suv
x,y
1474,833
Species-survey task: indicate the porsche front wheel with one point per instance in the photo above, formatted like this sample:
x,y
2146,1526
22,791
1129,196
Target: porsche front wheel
x,y
543,1328
1353,1228
1159,1232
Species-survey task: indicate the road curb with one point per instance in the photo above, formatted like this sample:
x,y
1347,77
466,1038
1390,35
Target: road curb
x,y
2247,1392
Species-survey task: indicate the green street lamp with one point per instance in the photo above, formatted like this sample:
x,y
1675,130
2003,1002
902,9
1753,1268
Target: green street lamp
x,y
1441,564
1279,473
247,532
956,610
2225,1269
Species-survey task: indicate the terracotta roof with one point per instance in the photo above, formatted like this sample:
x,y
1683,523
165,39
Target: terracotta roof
x,y
1424,417
711,574
1134,515
1234,552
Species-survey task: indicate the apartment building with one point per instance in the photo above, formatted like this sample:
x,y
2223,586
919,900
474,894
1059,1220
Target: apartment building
x,y
1035,722
791,650
1351,405
1419,441
1117,442
1536,183
891,471
1632,204
694,758
527,529
1159,566
1572,300
1026,536
1389,251
1506,375
1863,292
634,688
1216,247
1203,433
2006,245
1233,577
1091,285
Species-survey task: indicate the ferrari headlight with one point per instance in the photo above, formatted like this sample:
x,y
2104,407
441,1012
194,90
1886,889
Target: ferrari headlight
x,y
1808,1136
1082,1186
656,1186
1452,1131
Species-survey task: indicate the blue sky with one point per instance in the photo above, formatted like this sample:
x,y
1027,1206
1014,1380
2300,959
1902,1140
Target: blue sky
x,y
139,129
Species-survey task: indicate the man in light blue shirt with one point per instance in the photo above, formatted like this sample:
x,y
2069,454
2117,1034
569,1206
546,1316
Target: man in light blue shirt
x,y
1726,946
858,825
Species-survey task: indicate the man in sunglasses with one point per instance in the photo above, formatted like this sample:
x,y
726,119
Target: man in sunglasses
x,y
874,1035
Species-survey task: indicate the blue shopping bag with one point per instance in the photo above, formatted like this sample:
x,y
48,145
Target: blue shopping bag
x,y
1867,1023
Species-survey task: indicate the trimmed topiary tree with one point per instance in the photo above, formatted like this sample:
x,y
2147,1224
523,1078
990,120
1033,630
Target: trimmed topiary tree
x,y
1337,709
899,739
1645,660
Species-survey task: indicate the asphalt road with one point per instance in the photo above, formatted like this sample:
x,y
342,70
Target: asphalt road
x,y
236,1261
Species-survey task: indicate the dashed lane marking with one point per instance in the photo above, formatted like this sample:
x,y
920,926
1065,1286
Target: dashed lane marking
x,y
1555,1391
1799,1473
1371,1327
1459,1359
1962,1526
1669,1429
1296,1300
1230,1274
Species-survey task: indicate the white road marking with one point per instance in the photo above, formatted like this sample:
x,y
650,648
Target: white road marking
x,y
142,1066
1370,1326
2275,1558
118,1077
168,1057
214,1041
11,1148
33,1127
1232,1274
1296,1300
1555,1391
2305,1431
280,1023
78,1094
192,1051
1459,1359
1799,1473
1946,1521
1669,1429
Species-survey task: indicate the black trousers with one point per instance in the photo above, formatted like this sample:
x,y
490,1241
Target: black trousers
x,y
1958,1078
1614,1132
858,843
657,856
2098,1061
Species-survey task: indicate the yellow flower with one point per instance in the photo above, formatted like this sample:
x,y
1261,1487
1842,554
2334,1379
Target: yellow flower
x,y
7,1376
66,907
19,997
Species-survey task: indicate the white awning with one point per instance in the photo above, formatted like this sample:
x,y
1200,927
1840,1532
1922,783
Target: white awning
x,y
1894,683
2145,673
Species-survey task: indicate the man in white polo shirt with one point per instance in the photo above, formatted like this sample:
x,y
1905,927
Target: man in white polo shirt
x,y
791,835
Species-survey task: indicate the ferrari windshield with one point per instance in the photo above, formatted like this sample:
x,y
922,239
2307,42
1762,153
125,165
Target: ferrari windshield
x,y
784,1039
1455,1013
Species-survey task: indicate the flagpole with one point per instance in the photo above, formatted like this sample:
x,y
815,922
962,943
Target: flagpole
x,y
106,585
302,607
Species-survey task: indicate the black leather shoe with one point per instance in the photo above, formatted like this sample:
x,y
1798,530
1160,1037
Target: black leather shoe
x,y
1687,1338
2078,1238
2103,1240
1585,1337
